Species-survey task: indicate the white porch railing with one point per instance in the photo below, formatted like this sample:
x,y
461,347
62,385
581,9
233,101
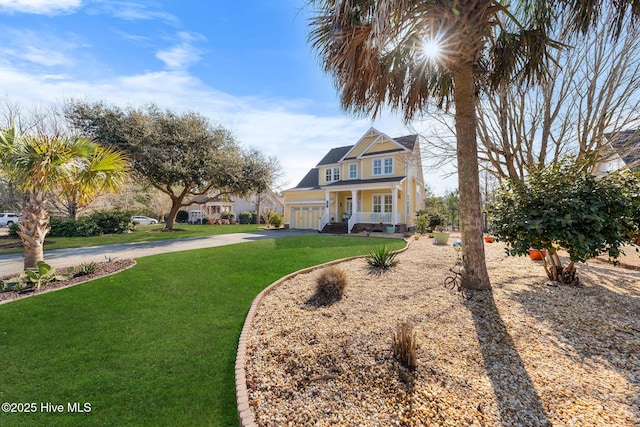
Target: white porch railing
x,y
324,220
352,221
374,218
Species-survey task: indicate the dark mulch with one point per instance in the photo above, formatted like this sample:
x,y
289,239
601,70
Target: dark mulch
x,y
103,269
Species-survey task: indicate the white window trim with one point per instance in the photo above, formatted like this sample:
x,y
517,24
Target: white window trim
x,y
382,202
382,166
355,175
332,174
328,175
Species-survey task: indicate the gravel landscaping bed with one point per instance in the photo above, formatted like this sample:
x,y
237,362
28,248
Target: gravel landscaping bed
x,y
528,353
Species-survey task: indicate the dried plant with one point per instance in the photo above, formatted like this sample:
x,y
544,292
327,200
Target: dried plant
x,y
404,345
330,286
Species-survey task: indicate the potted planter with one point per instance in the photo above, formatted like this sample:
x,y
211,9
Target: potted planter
x,y
441,237
537,255
488,239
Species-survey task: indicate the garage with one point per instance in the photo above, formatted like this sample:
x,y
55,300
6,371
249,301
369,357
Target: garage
x,y
306,217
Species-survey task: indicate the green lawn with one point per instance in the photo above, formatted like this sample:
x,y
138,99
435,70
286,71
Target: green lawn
x,y
142,234
151,346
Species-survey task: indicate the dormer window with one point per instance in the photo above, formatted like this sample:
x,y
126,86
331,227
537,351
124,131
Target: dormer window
x,y
383,166
332,174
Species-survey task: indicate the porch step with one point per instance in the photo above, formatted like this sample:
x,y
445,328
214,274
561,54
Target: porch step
x,y
336,228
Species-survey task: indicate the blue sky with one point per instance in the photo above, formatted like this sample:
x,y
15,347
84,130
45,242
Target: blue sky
x,y
246,65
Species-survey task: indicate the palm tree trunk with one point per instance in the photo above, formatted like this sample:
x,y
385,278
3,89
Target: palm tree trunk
x,y
33,227
476,276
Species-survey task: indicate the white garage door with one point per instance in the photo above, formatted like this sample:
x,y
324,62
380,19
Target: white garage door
x,y
306,218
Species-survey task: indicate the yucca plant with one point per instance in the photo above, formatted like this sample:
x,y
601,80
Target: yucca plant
x,y
87,268
382,257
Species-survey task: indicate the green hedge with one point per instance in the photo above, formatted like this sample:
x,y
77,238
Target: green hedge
x,y
100,222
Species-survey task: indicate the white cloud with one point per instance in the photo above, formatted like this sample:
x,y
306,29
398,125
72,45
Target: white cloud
x,y
40,7
183,54
26,48
132,11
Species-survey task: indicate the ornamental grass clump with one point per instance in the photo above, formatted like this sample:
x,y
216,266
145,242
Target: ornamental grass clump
x,y
382,258
404,345
330,286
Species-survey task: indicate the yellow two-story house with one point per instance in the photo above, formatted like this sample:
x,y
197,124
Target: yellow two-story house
x,y
373,185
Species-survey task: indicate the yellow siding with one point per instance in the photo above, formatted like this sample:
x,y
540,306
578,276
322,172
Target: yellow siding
x,y
398,167
304,194
359,149
383,146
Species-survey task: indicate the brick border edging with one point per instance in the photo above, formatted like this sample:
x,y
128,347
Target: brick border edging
x,y
245,416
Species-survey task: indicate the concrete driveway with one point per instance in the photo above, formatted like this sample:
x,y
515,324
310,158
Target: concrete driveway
x,y
13,263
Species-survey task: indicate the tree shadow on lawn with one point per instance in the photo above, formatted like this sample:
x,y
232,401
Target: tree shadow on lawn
x,y
597,323
518,401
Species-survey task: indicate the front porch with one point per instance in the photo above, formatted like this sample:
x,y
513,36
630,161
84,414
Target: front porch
x,y
365,206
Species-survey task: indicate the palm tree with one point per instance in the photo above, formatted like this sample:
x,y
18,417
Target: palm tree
x,y
43,166
408,54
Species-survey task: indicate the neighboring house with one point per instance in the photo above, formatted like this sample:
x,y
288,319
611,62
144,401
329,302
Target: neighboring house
x,y
624,149
269,201
210,209
376,183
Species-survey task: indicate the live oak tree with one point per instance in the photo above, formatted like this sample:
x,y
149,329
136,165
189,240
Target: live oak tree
x,y
182,155
565,206
408,54
44,166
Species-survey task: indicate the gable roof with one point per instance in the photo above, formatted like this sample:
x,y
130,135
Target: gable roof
x,y
310,180
408,141
335,155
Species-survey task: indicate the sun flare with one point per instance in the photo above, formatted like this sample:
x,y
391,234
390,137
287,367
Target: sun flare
x,y
431,49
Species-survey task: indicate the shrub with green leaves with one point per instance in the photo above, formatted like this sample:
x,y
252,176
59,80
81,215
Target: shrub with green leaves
x,y
13,231
81,227
382,257
182,217
114,221
231,216
421,224
276,220
247,218
565,207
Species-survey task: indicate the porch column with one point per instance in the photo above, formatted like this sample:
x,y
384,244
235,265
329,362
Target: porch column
x,y
394,204
354,202
326,202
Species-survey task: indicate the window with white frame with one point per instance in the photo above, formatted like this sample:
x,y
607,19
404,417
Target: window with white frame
x,y
388,166
353,171
332,174
383,166
382,203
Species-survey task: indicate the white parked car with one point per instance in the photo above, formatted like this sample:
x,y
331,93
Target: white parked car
x,y
8,218
143,220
